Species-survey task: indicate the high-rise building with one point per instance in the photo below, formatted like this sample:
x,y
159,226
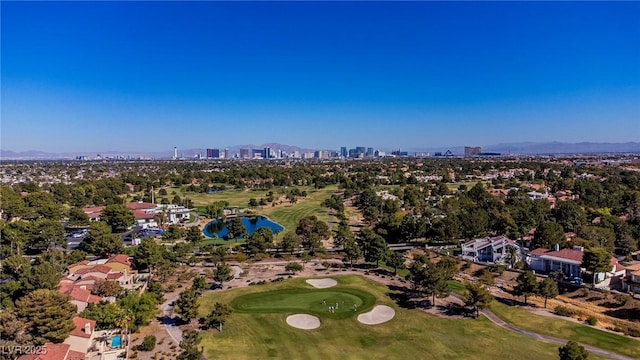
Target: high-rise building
x,y
343,152
226,153
257,153
213,153
175,153
369,152
472,150
244,153
361,150
267,154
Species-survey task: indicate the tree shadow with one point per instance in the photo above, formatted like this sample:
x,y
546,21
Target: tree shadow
x,y
626,314
510,302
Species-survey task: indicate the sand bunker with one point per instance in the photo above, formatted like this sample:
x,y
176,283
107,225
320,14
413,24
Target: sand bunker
x,y
380,314
303,321
322,283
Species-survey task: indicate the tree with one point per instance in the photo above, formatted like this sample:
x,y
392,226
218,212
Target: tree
x,y
119,217
253,202
107,288
173,233
218,316
48,315
222,273
12,203
187,304
182,252
527,285
13,334
194,234
293,267
200,283
148,343
351,250
189,345
548,289
100,241
573,351
570,215
513,256
106,315
477,296
77,217
596,260
547,235
147,255
290,242
432,278
396,261
45,232
372,245
312,232
137,310
42,205
237,230
260,240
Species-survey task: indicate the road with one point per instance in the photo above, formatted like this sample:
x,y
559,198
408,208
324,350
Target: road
x,y
496,320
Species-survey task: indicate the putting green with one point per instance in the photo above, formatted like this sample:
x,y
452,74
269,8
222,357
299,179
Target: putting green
x,y
310,301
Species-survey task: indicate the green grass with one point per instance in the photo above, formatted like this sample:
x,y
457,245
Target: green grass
x,y
286,214
309,301
567,330
289,215
259,334
456,287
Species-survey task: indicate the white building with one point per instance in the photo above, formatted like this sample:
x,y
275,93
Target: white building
x,y
489,250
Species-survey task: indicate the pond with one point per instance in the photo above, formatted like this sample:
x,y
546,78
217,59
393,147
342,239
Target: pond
x,y
251,223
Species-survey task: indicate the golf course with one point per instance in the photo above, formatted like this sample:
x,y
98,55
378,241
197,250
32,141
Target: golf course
x,y
260,327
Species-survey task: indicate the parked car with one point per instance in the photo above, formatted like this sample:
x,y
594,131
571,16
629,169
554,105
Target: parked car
x,y
576,280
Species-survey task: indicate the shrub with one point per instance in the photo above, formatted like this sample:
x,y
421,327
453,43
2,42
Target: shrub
x,y
148,343
563,311
592,320
585,292
622,299
241,257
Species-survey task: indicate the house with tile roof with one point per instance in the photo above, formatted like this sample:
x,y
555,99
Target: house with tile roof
x,y
51,351
632,276
80,296
82,276
568,262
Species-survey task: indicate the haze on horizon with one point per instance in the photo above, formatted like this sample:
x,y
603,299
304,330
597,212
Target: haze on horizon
x,y
147,76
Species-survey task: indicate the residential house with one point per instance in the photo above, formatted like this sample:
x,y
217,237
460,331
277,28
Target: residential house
x,y
633,278
51,351
490,250
82,335
80,296
93,213
568,262
82,276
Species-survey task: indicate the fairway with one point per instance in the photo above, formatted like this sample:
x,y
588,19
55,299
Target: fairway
x,y
258,331
311,301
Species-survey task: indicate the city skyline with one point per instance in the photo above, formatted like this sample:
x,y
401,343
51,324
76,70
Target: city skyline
x,y
147,76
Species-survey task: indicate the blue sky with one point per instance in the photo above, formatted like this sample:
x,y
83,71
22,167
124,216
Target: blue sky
x,y
148,76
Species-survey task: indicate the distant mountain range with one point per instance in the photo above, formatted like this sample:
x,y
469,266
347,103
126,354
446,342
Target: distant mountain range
x,y
525,148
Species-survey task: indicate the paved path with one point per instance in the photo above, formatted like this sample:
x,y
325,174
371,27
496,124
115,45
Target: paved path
x,y
496,320
168,319
196,220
